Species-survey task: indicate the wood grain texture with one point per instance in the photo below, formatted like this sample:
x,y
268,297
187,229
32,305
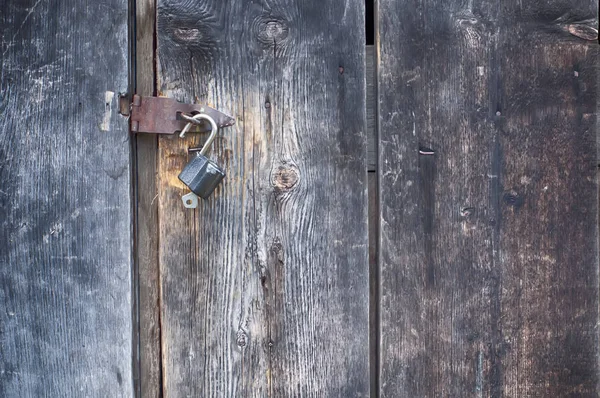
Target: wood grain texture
x,y
147,211
65,208
265,286
489,198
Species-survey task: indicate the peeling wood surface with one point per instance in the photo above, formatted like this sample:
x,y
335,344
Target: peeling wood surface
x,y
65,218
265,286
489,198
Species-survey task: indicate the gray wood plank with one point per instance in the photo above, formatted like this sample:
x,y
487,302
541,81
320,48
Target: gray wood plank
x,y
65,209
265,286
489,198
147,245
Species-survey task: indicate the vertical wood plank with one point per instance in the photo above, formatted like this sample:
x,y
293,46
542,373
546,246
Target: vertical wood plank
x,y
489,203
373,285
147,225
65,203
371,108
265,286
371,95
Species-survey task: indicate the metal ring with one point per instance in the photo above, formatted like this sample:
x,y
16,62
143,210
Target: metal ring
x,y
213,132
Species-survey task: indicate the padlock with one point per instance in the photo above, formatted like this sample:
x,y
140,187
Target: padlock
x,y
202,175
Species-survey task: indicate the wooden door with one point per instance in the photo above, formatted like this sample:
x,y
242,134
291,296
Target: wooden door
x,y
263,289
418,218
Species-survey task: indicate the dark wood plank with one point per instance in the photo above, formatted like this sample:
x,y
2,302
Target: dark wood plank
x,y
147,212
65,207
371,94
371,107
373,283
489,203
265,286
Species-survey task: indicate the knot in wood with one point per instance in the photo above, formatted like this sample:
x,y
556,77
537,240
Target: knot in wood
x,y
513,199
276,254
187,34
285,178
470,28
272,31
466,211
276,247
199,37
242,339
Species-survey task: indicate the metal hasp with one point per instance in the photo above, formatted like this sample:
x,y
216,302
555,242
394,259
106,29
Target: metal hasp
x,y
162,115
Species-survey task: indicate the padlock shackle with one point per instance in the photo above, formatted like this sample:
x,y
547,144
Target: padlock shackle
x,y
213,131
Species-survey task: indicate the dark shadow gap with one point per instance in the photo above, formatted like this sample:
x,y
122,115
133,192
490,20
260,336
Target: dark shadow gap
x,y
135,307
370,21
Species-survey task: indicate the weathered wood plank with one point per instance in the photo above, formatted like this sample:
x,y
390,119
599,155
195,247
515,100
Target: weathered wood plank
x,y
489,203
147,211
371,107
373,283
265,286
371,93
65,209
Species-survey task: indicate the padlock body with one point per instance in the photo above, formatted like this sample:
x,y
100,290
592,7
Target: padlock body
x,y
202,176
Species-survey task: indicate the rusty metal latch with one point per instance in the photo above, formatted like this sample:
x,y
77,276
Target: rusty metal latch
x,y
162,115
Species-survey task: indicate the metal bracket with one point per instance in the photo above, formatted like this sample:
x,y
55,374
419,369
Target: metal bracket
x,y
162,115
190,200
